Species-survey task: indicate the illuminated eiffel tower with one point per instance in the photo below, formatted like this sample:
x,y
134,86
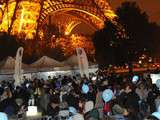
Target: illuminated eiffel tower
x,y
28,16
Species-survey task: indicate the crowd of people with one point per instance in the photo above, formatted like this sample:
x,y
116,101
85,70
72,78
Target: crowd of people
x,y
82,98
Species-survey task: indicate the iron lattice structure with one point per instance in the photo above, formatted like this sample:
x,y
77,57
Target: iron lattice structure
x,y
26,17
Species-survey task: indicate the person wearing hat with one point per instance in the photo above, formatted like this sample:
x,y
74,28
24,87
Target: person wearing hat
x,y
118,112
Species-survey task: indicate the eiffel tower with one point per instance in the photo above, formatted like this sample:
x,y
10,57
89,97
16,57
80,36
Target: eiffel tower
x,y
28,16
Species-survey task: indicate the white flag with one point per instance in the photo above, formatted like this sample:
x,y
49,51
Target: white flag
x,y
82,61
18,67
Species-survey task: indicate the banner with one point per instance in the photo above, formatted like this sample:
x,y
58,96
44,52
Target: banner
x,y
18,67
82,61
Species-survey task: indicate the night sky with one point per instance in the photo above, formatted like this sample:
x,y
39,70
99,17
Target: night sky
x,y
151,7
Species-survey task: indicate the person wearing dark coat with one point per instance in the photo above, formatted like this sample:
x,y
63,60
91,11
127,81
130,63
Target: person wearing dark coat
x,y
53,107
72,100
130,100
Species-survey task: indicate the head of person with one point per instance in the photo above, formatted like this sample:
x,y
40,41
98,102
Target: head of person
x,y
141,86
7,92
49,77
117,109
129,88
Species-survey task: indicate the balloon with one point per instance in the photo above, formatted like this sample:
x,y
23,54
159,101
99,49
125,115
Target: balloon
x,y
85,88
3,116
156,114
135,79
158,83
72,110
107,95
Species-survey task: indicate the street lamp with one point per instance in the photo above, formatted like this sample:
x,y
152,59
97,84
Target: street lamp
x,y
140,61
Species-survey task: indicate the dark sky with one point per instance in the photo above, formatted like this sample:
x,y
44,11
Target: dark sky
x,y
151,7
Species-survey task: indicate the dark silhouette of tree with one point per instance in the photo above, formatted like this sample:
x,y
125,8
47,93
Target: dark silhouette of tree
x,y
114,50
155,41
138,28
107,44
8,45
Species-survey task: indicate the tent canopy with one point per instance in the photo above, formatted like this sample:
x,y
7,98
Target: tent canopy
x,y
42,65
71,61
7,66
8,63
46,62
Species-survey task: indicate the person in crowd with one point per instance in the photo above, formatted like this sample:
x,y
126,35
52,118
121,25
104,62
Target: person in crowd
x,y
44,100
118,112
91,113
53,107
152,95
130,100
142,92
21,94
72,99
7,103
99,102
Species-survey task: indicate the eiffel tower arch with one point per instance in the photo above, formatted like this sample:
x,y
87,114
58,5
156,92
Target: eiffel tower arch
x,y
28,16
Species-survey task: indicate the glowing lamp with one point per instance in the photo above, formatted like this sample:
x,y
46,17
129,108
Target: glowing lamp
x,y
140,62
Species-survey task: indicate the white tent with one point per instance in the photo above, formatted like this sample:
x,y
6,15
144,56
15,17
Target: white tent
x,y
7,66
72,64
45,64
71,61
